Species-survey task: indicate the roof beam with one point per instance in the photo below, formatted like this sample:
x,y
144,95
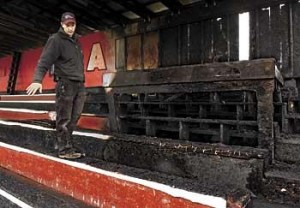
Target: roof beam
x,y
20,30
87,15
16,33
137,8
116,17
21,23
16,20
55,11
4,52
173,5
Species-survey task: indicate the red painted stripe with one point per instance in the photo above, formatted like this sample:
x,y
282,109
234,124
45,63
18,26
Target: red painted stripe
x,y
92,122
85,122
27,97
91,187
22,116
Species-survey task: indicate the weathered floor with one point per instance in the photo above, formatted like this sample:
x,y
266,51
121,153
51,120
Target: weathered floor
x,y
32,193
5,203
261,203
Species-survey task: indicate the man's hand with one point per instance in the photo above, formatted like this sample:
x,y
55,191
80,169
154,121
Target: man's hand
x,y
33,88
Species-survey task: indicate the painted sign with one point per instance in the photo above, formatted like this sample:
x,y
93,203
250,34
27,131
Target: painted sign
x,y
98,51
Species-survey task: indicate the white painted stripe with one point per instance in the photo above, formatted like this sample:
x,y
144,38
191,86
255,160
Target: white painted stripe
x,y
80,133
90,114
94,135
11,123
23,110
216,202
27,101
14,199
38,95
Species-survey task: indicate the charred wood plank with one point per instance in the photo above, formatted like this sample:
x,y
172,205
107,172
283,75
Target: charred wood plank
x,y
280,38
133,52
233,37
243,70
190,120
220,42
264,34
295,35
208,41
195,43
169,46
150,50
212,132
167,102
264,89
221,8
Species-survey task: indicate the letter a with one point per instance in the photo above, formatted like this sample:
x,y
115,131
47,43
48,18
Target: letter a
x,y
96,60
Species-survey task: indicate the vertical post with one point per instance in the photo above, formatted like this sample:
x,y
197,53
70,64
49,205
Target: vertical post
x,y
215,99
202,114
116,123
284,121
239,115
291,38
171,113
150,128
265,114
224,137
184,132
13,73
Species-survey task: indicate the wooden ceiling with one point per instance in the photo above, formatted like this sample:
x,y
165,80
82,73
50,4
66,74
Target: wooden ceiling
x,y
27,24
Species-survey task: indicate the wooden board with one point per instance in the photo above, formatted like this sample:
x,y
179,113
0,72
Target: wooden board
x,y
169,46
243,70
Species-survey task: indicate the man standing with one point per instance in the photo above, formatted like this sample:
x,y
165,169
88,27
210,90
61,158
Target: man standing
x,y
64,52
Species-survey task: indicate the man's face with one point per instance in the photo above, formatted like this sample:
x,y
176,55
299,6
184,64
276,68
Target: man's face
x,y
69,28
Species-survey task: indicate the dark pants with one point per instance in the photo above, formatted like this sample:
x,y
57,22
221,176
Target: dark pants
x,y
70,98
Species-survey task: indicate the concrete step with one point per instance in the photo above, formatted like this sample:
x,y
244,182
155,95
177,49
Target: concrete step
x,y
18,191
287,148
215,165
282,184
208,170
102,188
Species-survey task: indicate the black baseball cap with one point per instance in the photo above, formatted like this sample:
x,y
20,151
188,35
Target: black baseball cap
x,y
68,17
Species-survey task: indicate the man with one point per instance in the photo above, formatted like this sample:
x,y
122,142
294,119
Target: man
x,y
64,52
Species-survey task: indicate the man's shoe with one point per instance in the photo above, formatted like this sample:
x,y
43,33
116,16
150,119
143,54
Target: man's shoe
x,y
70,153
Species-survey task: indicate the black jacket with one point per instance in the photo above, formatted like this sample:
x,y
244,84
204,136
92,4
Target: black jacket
x,y
65,53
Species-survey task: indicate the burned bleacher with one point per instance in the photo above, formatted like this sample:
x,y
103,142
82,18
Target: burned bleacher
x,y
168,87
228,103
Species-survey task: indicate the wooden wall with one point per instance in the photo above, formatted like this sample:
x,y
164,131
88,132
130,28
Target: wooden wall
x,y
205,41
198,36
275,32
